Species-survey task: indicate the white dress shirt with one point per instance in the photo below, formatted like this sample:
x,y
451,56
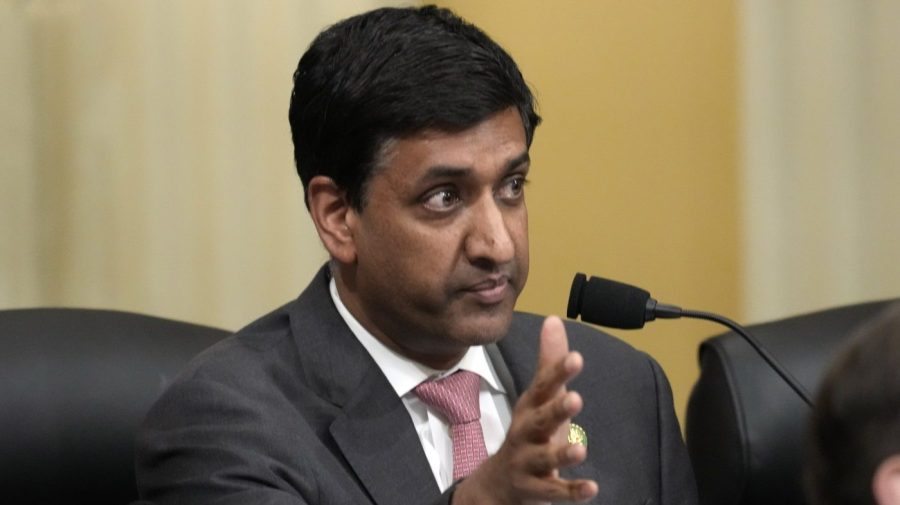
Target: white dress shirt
x,y
405,374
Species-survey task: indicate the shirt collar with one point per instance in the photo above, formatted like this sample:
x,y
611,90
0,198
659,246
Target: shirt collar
x,y
403,373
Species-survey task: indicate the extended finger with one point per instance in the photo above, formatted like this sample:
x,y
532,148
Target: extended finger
x,y
545,461
556,490
554,342
551,378
542,422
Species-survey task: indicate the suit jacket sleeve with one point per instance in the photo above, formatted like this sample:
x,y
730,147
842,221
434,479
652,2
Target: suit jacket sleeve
x,y
203,442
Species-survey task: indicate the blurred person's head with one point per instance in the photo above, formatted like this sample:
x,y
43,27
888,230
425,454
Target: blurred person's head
x,y
854,456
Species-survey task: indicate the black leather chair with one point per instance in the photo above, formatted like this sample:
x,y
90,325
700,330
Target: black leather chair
x,y
75,385
745,427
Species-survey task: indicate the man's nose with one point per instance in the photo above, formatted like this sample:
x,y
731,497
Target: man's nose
x,y
489,237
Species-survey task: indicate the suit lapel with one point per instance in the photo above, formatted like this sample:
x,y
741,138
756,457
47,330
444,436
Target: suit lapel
x,y
373,431
377,437
503,374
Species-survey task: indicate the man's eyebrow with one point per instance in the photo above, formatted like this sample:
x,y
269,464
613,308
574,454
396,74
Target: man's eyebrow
x,y
450,171
445,172
518,161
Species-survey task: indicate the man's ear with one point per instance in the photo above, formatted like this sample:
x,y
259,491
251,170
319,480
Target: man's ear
x,y
886,482
330,211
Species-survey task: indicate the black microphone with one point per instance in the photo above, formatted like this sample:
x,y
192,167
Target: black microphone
x,y
616,305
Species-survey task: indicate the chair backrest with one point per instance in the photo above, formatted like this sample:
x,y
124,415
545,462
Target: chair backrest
x,y
745,428
75,385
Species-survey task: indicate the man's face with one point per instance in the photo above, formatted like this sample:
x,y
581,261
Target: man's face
x,y
442,241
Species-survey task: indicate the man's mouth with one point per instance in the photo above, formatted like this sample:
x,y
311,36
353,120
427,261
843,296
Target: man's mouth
x,y
490,291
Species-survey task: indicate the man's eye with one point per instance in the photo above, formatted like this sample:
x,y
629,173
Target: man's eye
x,y
512,188
442,200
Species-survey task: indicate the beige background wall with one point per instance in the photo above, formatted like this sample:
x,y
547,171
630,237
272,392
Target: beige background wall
x,y
147,156
820,178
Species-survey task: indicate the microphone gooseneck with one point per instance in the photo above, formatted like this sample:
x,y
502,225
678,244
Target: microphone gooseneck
x,y
617,305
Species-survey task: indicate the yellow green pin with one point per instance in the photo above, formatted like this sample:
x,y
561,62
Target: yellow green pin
x,y
577,435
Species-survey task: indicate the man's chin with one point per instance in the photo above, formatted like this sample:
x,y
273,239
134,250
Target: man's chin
x,y
487,329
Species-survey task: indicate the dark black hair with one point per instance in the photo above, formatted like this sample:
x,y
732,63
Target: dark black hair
x,y
391,73
856,419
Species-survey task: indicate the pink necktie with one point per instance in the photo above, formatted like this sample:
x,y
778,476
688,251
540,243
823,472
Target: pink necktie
x,y
456,398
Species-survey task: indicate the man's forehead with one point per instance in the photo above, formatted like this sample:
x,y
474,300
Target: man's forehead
x,y
500,137
440,165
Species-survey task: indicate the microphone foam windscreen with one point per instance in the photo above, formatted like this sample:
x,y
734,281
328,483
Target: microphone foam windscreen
x,y
574,307
613,304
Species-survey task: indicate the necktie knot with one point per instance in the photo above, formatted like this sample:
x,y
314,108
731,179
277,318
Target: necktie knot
x,y
454,396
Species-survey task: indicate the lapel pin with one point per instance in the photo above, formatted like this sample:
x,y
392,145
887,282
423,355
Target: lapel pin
x,y
577,435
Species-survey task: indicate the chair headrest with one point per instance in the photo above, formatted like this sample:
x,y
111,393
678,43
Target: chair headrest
x,y
75,385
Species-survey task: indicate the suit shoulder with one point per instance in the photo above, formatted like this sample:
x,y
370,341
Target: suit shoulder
x,y
581,336
248,352
600,349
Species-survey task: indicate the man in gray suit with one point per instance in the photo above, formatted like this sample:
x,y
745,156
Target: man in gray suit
x,y
402,374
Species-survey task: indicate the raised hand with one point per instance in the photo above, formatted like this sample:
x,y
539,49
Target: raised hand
x,y
526,467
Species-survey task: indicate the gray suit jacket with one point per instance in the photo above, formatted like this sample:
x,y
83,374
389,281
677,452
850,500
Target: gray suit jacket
x,y
293,410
